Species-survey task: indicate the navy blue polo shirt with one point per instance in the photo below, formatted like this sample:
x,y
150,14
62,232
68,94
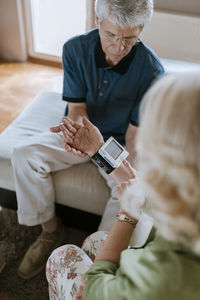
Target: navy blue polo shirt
x,y
112,94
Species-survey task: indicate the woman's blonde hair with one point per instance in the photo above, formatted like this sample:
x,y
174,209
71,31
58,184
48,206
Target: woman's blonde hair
x,y
168,147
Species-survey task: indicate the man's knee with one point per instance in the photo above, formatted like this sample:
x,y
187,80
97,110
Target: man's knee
x,y
25,155
20,152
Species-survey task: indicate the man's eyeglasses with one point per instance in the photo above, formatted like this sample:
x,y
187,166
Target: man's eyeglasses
x,y
127,41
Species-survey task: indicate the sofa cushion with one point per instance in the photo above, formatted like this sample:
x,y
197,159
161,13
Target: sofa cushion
x,y
176,66
80,186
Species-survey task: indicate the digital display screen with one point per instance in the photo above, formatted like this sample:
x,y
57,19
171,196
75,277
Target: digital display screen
x,y
114,150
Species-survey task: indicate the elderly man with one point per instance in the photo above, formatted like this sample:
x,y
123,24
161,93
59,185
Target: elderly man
x,y
106,73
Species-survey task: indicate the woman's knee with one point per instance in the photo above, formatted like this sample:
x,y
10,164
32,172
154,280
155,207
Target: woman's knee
x,y
93,243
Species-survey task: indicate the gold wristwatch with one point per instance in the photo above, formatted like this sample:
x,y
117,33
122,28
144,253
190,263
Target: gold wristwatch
x,y
123,218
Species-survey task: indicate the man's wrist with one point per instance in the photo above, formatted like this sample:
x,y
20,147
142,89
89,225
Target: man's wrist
x,y
102,163
94,151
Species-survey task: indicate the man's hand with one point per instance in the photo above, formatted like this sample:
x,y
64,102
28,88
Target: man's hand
x,y
69,135
55,129
80,139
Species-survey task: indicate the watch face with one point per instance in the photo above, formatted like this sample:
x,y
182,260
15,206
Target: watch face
x,y
121,217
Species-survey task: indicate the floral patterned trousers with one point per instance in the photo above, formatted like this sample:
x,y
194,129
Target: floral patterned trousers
x,y
68,263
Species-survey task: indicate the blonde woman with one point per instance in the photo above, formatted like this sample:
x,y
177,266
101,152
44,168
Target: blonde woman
x,y
168,150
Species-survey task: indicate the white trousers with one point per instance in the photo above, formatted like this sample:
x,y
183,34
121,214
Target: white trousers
x,y
33,161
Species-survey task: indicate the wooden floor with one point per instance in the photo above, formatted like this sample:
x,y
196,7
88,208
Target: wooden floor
x,y
20,83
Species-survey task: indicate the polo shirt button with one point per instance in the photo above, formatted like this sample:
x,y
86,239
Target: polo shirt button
x,y
105,81
100,94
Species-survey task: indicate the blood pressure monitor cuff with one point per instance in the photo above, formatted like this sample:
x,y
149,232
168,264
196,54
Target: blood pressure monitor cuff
x,y
102,163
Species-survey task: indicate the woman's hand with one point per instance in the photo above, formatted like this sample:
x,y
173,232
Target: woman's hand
x,y
132,198
123,173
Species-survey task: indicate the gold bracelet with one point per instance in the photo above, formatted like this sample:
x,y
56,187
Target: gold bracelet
x,y
123,218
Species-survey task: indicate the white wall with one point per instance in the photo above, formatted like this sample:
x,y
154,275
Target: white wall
x,y
174,36
12,38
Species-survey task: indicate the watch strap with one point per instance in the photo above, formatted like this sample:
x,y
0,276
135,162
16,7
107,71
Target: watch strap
x,y
123,218
102,163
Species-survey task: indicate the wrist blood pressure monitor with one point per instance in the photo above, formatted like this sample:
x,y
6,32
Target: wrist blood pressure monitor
x,y
110,155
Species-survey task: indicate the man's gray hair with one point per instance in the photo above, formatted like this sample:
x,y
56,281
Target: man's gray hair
x,y
125,12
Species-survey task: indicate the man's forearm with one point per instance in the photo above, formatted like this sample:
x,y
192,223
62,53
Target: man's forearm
x,y
130,147
76,111
76,115
130,139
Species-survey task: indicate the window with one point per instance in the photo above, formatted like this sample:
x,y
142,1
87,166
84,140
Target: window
x,y
50,23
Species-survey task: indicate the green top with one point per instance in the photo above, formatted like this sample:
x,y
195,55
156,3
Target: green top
x,y
161,270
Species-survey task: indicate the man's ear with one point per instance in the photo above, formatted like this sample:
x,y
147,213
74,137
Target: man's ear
x,y
96,20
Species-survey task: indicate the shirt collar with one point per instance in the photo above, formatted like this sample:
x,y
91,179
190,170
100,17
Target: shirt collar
x,y
121,67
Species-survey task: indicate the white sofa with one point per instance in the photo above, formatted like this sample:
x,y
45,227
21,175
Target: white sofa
x,y
81,186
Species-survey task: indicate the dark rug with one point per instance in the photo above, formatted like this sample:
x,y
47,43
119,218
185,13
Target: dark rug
x,y
14,241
